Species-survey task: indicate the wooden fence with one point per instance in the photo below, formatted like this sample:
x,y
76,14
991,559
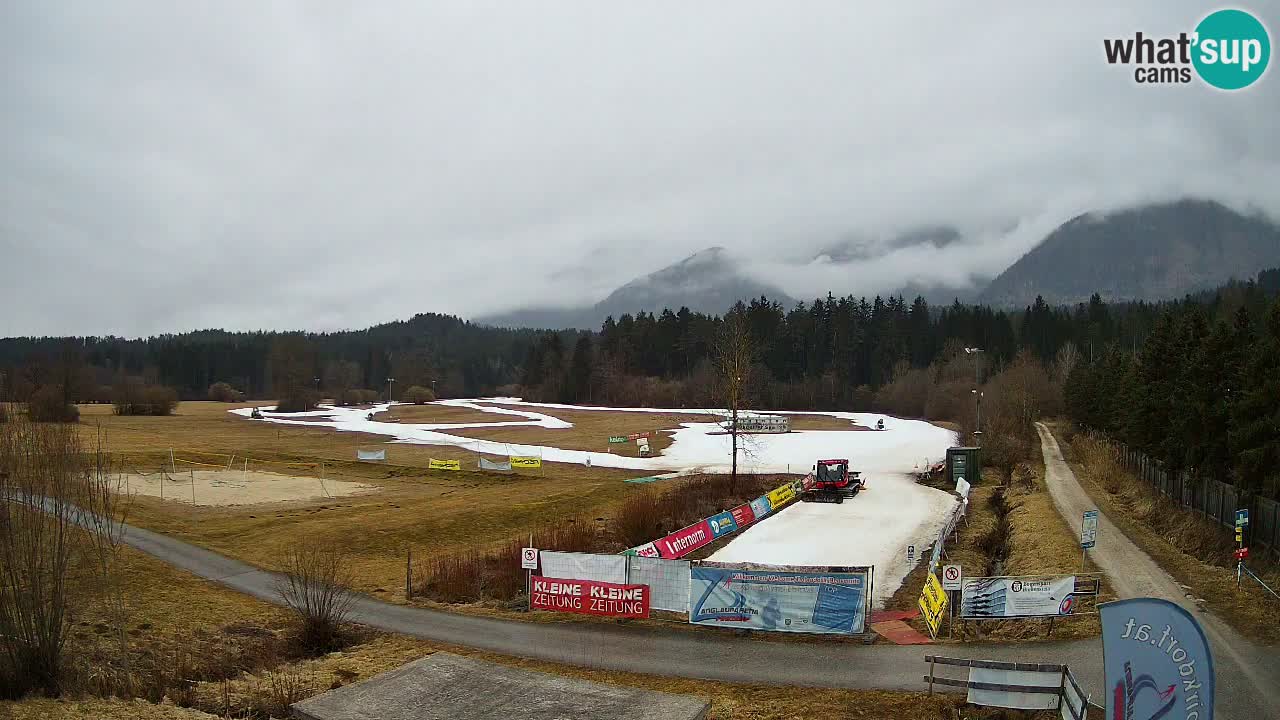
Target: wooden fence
x,y
1212,499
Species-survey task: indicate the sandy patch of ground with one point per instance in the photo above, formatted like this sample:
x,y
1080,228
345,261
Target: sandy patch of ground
x,y
236,487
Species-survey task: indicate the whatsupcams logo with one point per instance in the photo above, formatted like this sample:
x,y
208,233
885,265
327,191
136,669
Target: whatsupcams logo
x,y
1229,50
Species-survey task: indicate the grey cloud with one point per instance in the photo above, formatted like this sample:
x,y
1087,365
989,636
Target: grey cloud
x,y
323,165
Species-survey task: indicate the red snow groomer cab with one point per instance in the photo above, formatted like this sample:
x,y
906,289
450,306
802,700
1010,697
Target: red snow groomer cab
x,y
832,481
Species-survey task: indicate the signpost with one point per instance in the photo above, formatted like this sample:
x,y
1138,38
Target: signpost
x,y
1242,552
933,601
529,563
911,554
1088,533
952,578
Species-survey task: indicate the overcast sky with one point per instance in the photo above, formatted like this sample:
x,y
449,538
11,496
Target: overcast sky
x,y
168,166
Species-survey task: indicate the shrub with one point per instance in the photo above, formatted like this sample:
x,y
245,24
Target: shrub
x,y
48,404
300,401
132,397
640,517
419,395
223,392
357,396
315,586
4,412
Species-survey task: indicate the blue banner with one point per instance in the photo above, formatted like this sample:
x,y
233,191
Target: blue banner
x,y
779,600
1157,661
722,524
761,507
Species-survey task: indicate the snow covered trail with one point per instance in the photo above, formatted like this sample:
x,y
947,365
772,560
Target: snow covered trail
x,y
901,446
873,528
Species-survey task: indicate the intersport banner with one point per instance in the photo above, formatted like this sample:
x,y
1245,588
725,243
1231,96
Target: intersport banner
x,y
722,524
587,597
685,540
778,600
1156,661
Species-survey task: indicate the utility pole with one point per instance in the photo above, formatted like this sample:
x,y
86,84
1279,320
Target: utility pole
x,y
977,392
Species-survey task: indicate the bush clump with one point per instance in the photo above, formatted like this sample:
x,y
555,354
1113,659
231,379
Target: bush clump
x,y
49,404
223,392
357,396
419,395
132,397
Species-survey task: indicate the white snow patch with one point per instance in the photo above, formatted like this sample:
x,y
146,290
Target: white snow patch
x,y
873,528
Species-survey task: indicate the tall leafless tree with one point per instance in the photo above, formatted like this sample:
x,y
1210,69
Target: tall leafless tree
x,y
59,523
734,353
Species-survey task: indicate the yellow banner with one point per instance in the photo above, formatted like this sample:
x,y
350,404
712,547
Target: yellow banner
x,y
531,461
444,464
932,603
781,496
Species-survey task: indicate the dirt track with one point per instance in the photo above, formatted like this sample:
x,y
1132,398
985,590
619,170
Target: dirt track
x,y
1247,674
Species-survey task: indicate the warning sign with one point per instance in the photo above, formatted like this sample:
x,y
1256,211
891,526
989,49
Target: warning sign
x,y
932,603
529,559
951,577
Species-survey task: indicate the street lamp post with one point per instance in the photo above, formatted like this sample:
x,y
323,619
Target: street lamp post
x,y
433,389
389,381
977,394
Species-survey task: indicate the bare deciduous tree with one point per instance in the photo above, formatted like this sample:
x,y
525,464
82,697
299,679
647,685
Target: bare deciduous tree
x,y
734,353
315,586
59,518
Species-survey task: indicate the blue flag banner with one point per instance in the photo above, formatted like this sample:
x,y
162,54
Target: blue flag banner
x,y
1157,661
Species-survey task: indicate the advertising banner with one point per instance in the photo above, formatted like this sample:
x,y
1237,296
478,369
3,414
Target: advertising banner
x,y
722,524
617,438
1156,661
491,465
685,540
932,603
743,516
648,550
444,464
530,461
583,566
1089,529
781,496
1010,597
637,436
778,600
761,507
586,597
371,454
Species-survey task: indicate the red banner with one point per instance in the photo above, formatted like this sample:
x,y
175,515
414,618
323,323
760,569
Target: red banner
x,y
743,516
588,597
637,436
684,541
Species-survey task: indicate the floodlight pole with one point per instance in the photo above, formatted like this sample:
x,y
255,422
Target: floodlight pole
x,y
977,392
389,381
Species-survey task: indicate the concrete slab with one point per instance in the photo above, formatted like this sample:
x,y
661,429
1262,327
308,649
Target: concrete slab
x,y
443,687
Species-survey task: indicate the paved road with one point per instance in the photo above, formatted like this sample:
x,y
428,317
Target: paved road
x,y
708,655
1248,676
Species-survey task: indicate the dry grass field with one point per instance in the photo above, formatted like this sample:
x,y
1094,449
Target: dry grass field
x,y
409,505
172,613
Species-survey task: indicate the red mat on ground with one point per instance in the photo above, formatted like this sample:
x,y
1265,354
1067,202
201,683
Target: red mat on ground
x,y
887,615
900,633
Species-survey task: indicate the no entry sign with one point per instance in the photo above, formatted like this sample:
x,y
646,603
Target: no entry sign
x,y
951,577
